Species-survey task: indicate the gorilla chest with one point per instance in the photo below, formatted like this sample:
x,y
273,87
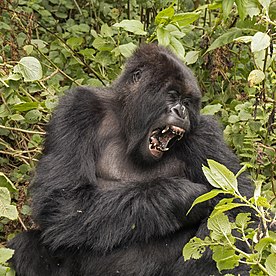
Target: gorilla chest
x,y
113,165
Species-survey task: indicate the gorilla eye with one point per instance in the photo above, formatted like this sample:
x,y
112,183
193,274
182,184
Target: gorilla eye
x,y
136,75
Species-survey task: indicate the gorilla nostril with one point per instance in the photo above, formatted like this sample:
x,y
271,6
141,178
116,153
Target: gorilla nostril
x,y
178,110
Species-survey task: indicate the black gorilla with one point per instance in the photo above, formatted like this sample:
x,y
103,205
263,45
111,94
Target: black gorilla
x,y
120,168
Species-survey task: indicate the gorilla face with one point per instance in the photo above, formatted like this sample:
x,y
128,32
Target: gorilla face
x,y
160,102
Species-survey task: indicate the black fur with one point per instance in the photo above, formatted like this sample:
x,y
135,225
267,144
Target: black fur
x,y
104,205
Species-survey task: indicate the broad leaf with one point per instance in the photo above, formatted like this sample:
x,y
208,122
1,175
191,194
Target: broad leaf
x,y
211,109
164,16
5,255
260,41
133,26
177,47
6,209
30,68
219,226
194,249
184,19
225,257
270,264
163,36
127,50
255,77
191,57
227,7
5,182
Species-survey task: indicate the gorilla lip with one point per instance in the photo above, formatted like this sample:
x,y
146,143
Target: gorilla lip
x,y
162,139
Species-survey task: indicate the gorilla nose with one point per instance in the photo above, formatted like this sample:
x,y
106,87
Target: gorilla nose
x,y
178,110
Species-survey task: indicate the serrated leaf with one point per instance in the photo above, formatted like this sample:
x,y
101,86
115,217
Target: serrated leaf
x,y
265,4
270,264
5,255
219,226
225,257
33,116
255,77
222,176
133,26
223,208
205,197
260,41
30,68
191,57
184,19
106,31
194,249
7,210
127,49
243,219
224,39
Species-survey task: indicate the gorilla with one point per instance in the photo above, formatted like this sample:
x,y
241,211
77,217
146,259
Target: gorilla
x,y
121,166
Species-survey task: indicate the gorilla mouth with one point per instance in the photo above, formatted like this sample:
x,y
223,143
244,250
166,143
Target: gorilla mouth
x,y
162,139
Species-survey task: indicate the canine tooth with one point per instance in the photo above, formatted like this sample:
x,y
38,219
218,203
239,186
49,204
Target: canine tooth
x,y
165,129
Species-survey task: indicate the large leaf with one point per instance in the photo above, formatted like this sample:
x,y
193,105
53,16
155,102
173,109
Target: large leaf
x,y
255,77
270,264
5,182
5,255
260,41
30,68
194,249
220,226
220,177
164,15
127,49
163,36
226,38
133,26
183,19
6,209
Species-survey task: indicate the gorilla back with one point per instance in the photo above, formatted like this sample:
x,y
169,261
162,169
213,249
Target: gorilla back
x,y
120,168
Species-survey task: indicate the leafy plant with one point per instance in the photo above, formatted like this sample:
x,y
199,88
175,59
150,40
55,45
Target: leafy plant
x,y
223,240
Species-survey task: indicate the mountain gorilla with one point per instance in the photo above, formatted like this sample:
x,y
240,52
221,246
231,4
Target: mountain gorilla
x,y
121,167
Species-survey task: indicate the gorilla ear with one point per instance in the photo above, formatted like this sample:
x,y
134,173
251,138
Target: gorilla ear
x,y
136,75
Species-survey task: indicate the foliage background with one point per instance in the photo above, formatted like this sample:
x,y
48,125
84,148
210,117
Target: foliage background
x,y
49,46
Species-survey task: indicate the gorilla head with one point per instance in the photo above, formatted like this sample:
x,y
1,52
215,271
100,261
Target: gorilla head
x,y
160,101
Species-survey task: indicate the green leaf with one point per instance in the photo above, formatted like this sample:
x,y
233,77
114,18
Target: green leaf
x,y
164,15
133,26
16,117
127,50
260,41
5,255
7,210
194,249
270,264
30,68
88,53
6,182
191,57
5,26
33,116
26,106
163,36
75,42
106,31
225,257
263,243
102,44
220,176
243,219
211,109
244,39
255,77
205,197
177,47
184,19
224,39
219,226
227,7
226,207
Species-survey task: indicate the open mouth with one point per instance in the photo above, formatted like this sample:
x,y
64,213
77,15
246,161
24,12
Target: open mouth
x,y
162,139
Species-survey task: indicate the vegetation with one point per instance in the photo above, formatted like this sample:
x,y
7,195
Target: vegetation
x,y
49,46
